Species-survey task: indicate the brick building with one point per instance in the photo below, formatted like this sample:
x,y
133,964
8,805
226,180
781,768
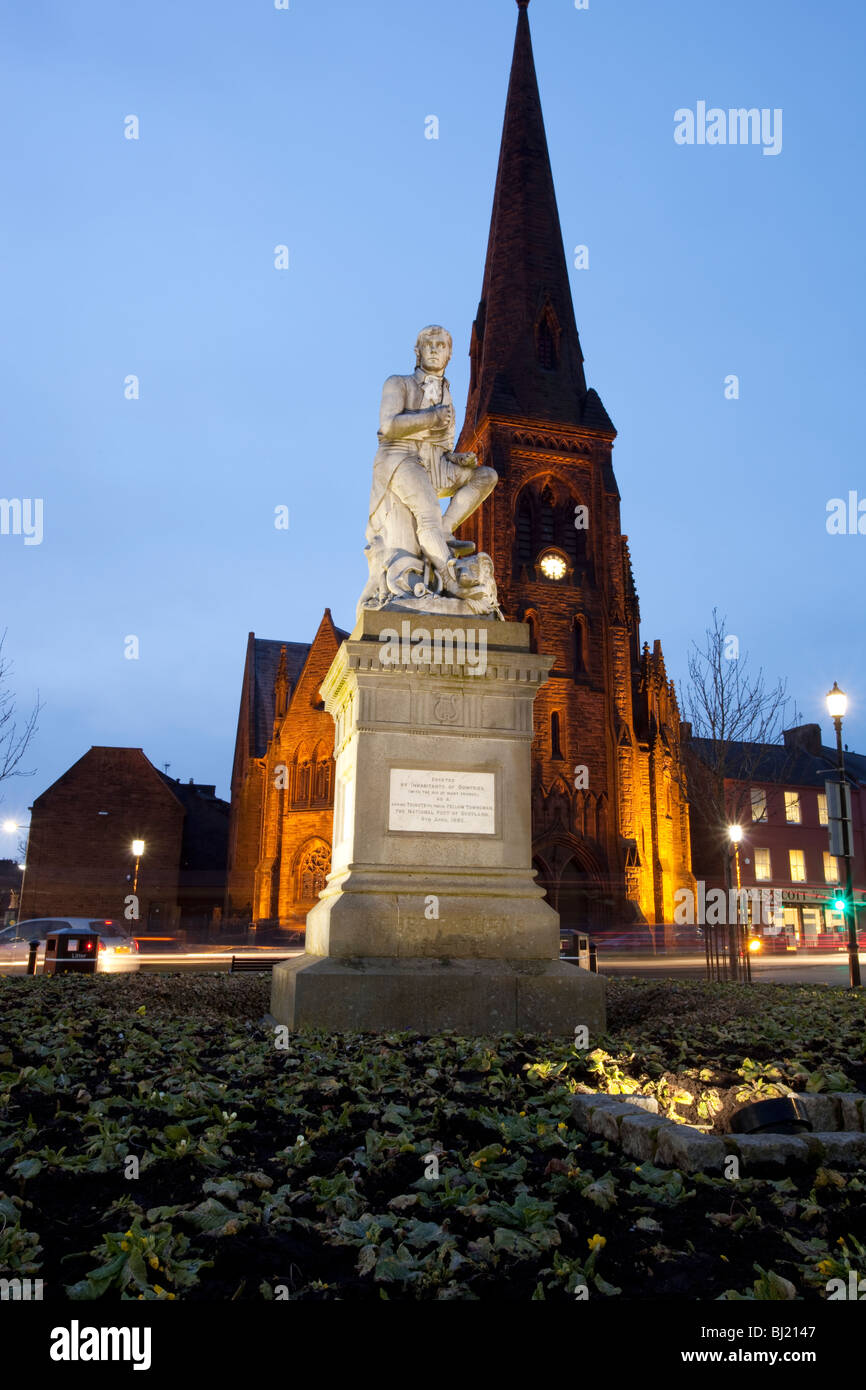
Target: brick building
x,y
79,854
282,791
776,793
610,823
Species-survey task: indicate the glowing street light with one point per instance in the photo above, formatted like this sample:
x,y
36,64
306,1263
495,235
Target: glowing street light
x,y
837,706
837,703
735,834
138,851
10,827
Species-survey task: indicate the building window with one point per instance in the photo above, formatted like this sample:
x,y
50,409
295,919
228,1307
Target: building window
x,y
312,872
792,808
579,648
543,520
545,341
822,808
555,749
797,860
301,795
547,518
759,804
322,791
831,867
525,528
763,867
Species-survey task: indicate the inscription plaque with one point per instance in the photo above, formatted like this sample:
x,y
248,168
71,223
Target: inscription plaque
x,y
426,799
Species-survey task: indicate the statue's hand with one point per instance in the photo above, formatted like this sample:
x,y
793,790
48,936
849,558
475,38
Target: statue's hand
x,y
441,415
467,460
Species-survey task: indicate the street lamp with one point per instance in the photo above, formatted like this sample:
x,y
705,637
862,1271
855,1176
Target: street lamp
x,y
735,834
10,827
138,851
837,706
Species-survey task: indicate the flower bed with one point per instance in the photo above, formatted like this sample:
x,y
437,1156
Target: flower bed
x,y
156,1144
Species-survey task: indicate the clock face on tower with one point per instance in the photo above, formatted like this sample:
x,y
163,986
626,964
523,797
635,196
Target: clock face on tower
x,y
552,565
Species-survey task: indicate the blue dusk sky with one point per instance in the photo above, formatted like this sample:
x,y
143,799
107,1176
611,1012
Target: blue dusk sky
x,y
259,387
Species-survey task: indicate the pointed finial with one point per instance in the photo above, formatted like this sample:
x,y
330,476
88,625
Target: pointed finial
x,y
522,4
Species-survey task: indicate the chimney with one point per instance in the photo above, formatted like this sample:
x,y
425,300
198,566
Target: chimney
x,y
806,737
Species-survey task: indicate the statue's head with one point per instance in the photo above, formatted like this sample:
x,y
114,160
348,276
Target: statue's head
x,y
433,348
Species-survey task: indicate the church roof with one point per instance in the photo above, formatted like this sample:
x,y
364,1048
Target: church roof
x,y
266,660
526,291
258,694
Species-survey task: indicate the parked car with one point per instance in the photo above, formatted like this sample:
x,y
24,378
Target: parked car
x,y
117,951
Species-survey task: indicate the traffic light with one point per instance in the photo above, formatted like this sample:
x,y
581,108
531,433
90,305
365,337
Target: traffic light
x,y
840,903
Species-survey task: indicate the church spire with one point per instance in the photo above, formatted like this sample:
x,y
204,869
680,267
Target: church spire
x,y
525,353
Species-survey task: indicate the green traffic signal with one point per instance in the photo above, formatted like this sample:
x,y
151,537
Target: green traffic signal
x,y
839,904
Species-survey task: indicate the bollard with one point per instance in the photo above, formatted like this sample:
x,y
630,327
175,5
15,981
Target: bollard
x,y
31,959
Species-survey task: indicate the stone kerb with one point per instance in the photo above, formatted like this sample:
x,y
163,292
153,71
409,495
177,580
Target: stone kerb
x,y
632,1122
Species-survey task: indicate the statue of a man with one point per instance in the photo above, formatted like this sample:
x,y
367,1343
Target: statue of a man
x,y
414,466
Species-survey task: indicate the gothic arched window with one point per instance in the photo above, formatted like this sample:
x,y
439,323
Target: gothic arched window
x,y
555,746
546,345
547,518
580,664
301,780
322,784
531,620
525,527
313,869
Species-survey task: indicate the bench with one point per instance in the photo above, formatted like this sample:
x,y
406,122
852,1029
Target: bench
x,y
266,963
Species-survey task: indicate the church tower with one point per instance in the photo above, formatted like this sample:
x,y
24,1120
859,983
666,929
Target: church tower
x,y
610,823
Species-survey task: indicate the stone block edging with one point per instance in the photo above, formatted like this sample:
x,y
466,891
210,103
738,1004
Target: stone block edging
x,y
633,1122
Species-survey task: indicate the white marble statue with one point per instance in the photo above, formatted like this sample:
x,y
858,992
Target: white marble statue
x,y
416,562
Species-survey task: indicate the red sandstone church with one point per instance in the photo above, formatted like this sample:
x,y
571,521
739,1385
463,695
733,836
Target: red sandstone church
x,y
610,826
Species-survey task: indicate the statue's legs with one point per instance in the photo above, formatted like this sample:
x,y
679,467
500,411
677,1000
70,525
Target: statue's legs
x,y
411,483
471,488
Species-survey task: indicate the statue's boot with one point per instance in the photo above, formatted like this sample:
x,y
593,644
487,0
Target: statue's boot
x,y
459,548
434,546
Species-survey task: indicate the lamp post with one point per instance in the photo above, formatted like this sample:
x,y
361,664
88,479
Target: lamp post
x,y
10,826
837,705
138,851
744,964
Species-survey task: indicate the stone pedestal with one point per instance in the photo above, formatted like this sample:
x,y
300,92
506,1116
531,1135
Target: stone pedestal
x,y
431,918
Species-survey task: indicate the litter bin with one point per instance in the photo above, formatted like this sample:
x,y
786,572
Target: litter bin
x,y
71,952
587,957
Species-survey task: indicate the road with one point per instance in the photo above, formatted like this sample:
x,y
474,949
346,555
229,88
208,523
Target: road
x,y
812,968
824,967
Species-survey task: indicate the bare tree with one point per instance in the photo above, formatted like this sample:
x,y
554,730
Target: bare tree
x,y
736,716
15,738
